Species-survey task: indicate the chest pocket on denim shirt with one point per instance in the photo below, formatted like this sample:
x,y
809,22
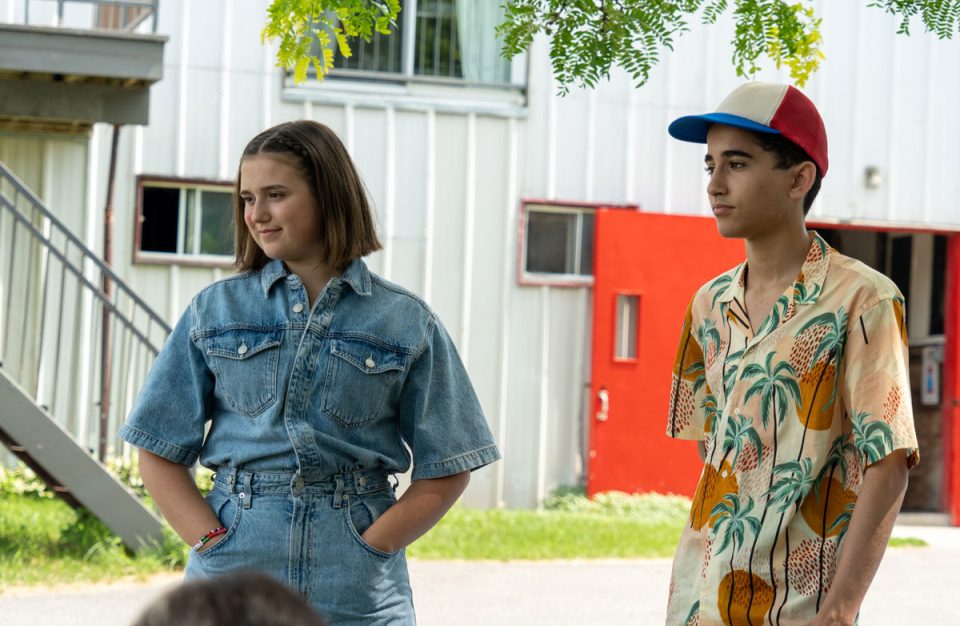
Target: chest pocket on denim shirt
x,y
245,363
363,380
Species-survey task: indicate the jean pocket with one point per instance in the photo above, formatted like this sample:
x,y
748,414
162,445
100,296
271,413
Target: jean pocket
x,y
363,381
227,510
363,511
245,362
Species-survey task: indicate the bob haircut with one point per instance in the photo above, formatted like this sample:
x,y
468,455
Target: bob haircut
x,y
347,228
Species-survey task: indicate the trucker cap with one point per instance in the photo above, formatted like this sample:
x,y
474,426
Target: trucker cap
x,y
766,108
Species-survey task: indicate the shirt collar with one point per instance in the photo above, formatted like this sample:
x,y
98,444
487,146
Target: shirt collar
x,y
809,283
356,275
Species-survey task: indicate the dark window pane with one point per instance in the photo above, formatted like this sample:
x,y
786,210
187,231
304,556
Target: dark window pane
x,y
438,53
549,238
216,223
901,253
938,286
586,245
161,210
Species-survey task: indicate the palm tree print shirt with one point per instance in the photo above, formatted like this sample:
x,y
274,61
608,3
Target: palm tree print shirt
x,y
791,414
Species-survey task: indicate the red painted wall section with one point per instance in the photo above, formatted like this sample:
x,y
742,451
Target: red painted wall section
x,y
951,385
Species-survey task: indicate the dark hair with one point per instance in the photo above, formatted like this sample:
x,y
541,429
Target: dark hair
x,y
242,598
789,154
347,228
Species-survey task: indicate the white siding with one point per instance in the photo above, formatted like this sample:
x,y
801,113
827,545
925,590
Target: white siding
x,y
446,182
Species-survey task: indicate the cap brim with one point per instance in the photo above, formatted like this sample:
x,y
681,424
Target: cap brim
x,y
694,128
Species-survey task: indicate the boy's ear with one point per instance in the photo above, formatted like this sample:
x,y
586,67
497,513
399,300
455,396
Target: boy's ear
x,y
804,175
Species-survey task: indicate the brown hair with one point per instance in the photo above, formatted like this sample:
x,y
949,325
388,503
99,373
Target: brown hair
x,y
347,229
241,598
787,155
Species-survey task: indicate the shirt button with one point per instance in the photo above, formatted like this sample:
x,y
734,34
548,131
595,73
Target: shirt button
x,y
299,484
370,362
724,473
242,349
737,411
297,308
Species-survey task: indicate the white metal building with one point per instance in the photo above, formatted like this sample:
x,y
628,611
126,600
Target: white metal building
x,y
484,186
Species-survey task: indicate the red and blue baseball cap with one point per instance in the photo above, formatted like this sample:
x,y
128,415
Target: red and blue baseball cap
x,y
764,108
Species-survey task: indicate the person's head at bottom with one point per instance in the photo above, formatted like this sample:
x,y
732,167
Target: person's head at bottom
x,y
243,598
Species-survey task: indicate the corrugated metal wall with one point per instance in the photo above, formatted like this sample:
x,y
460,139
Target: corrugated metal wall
x,y
447,181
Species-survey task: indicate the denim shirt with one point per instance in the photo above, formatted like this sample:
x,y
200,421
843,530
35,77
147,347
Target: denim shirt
x,y
350,383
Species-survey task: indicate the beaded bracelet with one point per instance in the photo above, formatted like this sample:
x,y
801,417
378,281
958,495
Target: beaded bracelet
x,y
216,532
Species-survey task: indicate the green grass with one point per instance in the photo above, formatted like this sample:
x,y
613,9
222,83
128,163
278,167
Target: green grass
x,y
42,540
506,535
907,542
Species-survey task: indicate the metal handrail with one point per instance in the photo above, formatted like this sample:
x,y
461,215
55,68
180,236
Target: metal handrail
x,y
128,24
54,293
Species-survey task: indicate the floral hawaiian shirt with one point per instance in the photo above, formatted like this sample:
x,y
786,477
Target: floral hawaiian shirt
x,y
791,413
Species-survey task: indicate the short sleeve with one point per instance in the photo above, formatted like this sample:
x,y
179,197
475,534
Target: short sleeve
x,y
876,383
169,415
440,415
688,385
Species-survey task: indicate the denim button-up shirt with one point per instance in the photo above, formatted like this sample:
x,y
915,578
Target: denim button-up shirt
x,y
346,384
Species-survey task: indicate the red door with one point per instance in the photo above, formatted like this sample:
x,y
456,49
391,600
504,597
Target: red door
x,y
951,385
647,267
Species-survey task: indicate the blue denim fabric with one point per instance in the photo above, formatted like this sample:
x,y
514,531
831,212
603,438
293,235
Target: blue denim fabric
x,y
306,533
347,384
299,402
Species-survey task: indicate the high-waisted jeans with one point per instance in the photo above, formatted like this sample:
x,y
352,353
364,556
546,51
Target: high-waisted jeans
x,y
306,532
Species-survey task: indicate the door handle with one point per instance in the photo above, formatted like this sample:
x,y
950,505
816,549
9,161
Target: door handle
x,y
604,396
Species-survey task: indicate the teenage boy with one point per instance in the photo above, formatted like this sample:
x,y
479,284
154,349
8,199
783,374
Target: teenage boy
x,y
792,374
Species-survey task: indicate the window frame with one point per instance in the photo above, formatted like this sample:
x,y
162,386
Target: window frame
x,y
407,89
141,257
525,278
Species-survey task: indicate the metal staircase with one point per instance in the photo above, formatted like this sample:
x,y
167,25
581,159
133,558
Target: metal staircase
x,y
75,346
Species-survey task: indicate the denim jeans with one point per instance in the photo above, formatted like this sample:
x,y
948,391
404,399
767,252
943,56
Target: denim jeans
x,y
306,532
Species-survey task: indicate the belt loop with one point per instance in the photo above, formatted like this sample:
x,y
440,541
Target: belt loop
x,y
247,494
229,477
338,492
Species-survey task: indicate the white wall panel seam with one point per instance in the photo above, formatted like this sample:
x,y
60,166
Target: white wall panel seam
x,y
390,191
544,404
930,134
430,200
506,289
267,92
667,142
856,194
86,312
629,149
225,69
591,147
47,194
470,205
181,164
307,110
551,139
349,130
895,94
137,155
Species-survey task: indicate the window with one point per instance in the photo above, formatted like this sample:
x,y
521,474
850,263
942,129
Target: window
x,y
625,340
184,221
439,39
557,244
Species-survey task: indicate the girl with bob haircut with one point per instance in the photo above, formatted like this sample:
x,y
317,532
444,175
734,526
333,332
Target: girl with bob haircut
x,y
305,382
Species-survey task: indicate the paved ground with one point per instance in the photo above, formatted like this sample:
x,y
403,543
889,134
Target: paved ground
x,y
913,586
